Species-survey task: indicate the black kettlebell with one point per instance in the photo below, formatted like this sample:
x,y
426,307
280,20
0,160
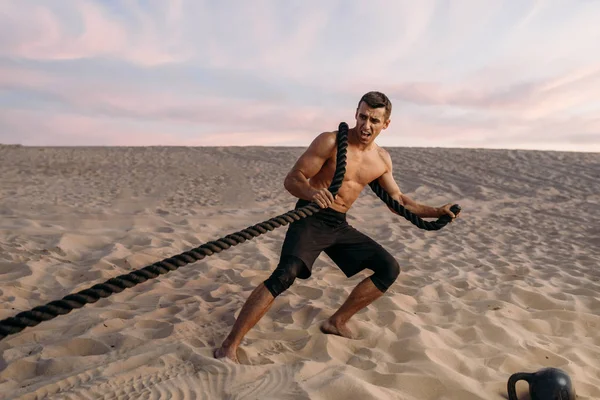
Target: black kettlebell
x,y
545,384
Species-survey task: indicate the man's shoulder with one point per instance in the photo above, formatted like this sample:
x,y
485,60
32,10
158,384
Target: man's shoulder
x,y
324,144
326,140
328,136
383,153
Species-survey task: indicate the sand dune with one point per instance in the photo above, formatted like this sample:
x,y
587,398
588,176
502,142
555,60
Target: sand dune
x,y
513,285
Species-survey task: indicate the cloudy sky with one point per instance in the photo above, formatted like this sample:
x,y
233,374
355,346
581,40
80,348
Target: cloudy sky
x,y
488,74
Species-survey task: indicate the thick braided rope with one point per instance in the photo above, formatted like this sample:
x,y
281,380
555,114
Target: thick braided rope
x,y
414,219
117,284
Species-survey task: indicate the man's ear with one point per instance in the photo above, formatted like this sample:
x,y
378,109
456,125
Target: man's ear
x,y
387,123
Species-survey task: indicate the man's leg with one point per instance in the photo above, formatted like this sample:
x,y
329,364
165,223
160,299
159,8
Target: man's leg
x,y
258,304
363,294
349,255
254,309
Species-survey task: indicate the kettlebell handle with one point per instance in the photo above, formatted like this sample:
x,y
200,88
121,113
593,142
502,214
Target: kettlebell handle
x,y
512,383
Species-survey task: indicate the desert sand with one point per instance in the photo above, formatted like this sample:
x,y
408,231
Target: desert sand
x,y
513,285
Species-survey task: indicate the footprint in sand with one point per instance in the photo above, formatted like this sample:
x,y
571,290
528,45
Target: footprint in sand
x,y
308,292
361,359
118,314
305,317
153,329
164,229
13,271
75,347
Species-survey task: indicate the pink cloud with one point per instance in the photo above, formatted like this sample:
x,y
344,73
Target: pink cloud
x,y
134,101
44,36
571,133
11,77
255,138
528,100
65,129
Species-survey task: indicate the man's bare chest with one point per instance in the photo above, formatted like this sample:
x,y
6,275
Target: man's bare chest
x,y
360,168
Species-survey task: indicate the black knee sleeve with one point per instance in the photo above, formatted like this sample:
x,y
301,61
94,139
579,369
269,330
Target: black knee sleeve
x,y
284,275
386,269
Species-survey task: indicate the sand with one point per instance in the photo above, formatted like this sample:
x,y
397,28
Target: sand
x,y
513,285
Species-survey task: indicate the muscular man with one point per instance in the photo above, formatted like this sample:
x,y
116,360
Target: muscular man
x,y
327,231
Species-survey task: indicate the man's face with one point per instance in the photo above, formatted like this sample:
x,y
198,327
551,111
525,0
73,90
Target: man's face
x,y
370,122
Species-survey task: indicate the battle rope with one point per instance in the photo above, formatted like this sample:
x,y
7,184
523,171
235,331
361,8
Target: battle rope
x,y
414,219
117,284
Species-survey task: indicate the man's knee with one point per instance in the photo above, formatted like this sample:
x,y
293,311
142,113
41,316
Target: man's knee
x,y
284,275
386,270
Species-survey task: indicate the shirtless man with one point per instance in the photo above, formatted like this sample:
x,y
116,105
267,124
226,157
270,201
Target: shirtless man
x,y
328,230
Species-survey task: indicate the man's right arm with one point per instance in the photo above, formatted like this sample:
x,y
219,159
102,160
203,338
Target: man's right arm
x,y
308,165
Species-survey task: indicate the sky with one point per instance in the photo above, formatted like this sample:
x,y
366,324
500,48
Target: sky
x,y
472,74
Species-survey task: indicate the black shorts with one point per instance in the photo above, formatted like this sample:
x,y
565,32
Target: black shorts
x,y
328,231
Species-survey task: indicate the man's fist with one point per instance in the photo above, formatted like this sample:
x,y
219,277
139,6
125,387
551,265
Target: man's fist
x,y
445,210
322,197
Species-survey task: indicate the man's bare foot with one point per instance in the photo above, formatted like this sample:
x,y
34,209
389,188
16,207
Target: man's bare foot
x,y
339,329
223,352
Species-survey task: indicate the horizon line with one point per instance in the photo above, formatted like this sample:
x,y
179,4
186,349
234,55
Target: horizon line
x,y
525,149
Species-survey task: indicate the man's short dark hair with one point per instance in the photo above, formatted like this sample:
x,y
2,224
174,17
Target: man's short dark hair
x,y
376,99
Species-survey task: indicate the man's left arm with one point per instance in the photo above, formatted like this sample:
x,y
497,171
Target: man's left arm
x,y
388,183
